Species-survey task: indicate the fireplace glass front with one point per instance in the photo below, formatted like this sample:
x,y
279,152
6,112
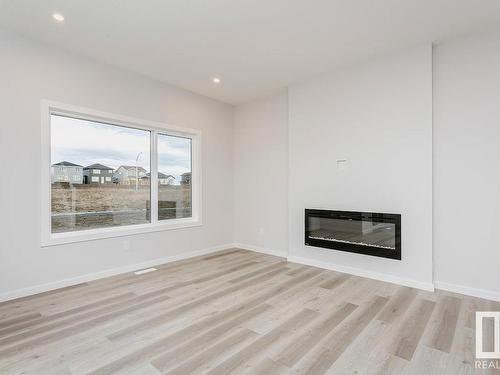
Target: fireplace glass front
x,y
369,233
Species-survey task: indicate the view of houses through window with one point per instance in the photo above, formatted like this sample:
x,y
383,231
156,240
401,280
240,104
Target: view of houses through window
x,y
174,186
101,173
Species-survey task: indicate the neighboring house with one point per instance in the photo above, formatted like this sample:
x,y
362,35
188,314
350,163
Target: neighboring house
x,y
186,178
163,179
126,174
98,174
67,172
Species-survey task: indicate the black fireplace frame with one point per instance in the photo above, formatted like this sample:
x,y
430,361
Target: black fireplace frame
x,y
356,248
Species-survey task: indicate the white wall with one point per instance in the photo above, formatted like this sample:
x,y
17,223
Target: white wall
x,y
467,165
378,116
260,174
30,72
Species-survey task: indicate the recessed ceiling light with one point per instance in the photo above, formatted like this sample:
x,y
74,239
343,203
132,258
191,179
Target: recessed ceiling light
x,y
58,17
216,80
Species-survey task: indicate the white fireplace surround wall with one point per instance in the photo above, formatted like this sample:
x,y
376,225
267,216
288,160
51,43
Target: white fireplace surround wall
x,y
378,117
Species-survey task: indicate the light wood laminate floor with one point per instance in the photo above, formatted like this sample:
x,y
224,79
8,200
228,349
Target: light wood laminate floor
x,y
240,312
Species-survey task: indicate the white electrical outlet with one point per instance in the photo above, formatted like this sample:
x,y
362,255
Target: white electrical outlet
x,y
341,164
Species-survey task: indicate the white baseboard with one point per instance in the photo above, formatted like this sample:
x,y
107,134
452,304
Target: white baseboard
x,y
468,291
474,292
259,249
363,273
350,270
24,292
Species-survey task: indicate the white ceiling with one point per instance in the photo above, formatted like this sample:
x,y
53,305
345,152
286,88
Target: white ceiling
x,y
255,46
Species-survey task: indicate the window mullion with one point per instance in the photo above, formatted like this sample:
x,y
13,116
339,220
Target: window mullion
x,y
154,177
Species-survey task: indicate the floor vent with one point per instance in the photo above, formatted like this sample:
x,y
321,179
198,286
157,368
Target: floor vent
x,y
147,270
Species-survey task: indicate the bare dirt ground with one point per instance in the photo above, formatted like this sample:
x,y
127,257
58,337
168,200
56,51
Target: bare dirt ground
x,y
77,207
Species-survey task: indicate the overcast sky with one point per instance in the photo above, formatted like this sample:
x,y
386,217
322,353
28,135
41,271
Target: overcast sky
x,y
85,142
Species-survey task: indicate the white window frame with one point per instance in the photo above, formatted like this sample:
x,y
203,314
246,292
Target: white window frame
x,y
49,108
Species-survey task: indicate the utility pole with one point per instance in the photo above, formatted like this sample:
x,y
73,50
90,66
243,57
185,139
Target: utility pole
x,y
136,171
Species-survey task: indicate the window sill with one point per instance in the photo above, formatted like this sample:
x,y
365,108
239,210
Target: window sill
x,y
113,232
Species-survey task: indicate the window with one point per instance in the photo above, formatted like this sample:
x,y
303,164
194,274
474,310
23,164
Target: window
x,y
174,201
99,207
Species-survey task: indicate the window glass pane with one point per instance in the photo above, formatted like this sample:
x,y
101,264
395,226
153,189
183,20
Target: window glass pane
x,y
82,153
174,177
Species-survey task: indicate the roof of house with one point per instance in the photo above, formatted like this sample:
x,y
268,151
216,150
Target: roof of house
x,y
186,174
67,164
160,175
98,166
163,175
131,168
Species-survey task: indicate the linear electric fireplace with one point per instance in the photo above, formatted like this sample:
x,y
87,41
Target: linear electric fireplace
x,y
369,233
